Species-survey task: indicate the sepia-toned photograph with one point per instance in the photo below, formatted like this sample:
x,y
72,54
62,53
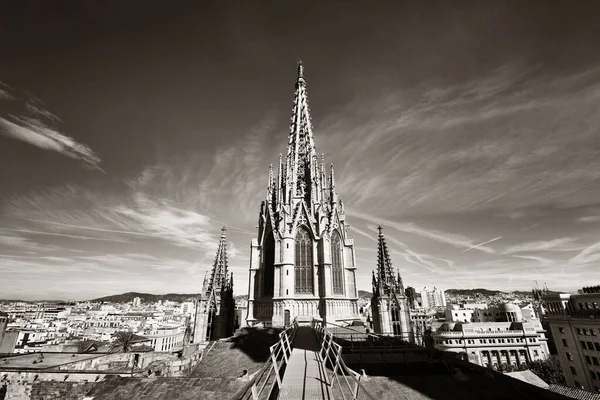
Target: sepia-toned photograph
x,y
335,199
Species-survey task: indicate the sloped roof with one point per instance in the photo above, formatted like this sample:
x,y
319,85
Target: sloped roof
x,y
574,393
139,339
117,388
248,350
529,377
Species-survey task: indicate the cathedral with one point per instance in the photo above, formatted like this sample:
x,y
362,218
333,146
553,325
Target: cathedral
x,y
389,305
302,264
215,308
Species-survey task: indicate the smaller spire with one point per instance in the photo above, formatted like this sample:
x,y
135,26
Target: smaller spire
x,y
332,177
271,184
223,230
300,70
380,229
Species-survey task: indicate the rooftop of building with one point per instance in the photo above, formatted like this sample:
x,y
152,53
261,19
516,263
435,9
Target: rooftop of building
x,y
50,360
247,351
509,307
574,393
228,365
486,326
117,388
401,370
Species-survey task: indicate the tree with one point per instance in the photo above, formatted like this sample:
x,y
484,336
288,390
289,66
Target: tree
x,y
549,370
123,342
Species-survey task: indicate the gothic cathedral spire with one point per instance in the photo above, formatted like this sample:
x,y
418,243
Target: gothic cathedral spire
x,y
218,279
385,271
301,155
391,312
215,309
302,262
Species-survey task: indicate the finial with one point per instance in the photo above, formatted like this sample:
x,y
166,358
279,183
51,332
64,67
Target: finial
x,y
223,229
300,69
380,229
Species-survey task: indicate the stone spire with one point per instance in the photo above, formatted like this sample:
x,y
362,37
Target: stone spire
x,y
301,148
217,279
385,271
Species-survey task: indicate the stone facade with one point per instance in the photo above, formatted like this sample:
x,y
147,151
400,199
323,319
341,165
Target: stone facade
x,y
494,344
389,305
302,264
215,308
574,322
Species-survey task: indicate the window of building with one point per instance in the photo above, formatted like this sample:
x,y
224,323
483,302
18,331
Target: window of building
x,y
577,384
596,346
337,268
588,359
304,262
590,346
579,331
561,329
573,371
593,332
595,360
569,356
583,345
535,353
593,375
269,265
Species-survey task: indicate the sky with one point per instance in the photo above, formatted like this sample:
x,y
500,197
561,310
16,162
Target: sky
x,y
132,131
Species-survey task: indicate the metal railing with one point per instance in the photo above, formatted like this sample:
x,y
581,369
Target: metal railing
x,y
348,381
354,340
266,383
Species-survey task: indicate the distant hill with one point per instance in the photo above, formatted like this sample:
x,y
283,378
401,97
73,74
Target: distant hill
x,y
473,292
488,292
146,297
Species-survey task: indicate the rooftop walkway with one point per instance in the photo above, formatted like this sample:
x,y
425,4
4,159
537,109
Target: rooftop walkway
x,y
304,376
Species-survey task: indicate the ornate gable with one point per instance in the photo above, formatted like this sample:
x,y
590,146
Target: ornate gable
x,y
302,217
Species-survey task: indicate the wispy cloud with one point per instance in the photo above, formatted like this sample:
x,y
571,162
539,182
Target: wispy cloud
x,y
562,244
12,241
590,254
34,126
433,234
483,243
32,232
478,144
590,218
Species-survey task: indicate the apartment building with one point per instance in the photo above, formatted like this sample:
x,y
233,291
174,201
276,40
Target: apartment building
x,y
574,321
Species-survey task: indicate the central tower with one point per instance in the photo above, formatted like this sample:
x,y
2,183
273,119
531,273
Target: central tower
x,y
302,263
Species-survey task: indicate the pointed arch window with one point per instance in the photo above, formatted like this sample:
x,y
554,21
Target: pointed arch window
x,y
303,282
269,265
337,268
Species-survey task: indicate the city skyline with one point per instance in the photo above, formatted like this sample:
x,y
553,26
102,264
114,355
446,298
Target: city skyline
x,y
469,134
